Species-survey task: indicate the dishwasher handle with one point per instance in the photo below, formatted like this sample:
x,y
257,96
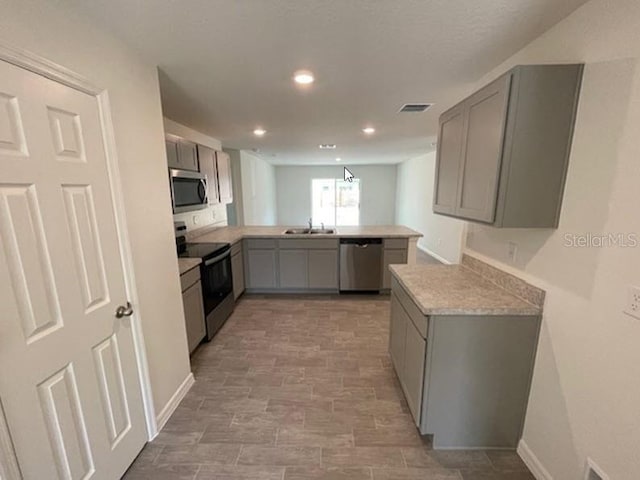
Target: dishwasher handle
x,y
361,242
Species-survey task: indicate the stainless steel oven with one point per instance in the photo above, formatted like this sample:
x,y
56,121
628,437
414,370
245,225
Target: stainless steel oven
x,y
188,190
217,282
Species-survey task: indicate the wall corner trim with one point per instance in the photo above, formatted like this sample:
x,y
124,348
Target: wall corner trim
x,y
531,461
173,402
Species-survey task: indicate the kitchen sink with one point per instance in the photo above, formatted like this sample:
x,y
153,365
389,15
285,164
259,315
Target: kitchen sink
x,y
310,231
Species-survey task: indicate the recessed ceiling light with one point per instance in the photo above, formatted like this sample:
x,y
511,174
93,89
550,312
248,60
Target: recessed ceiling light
x,y
259,132
338,159
303,77
327,146
369,130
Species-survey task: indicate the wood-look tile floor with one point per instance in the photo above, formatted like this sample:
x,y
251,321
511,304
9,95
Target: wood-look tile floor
x,y
302,388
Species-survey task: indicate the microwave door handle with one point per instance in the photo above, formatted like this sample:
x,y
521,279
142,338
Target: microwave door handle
x,y
202,192
217,259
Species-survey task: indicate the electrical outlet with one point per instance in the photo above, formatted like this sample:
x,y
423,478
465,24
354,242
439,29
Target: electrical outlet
x,y
513,252
196,219
633,302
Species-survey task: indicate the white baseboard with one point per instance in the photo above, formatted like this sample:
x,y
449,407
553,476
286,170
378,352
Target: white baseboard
x,y
174,401
531,461
433,254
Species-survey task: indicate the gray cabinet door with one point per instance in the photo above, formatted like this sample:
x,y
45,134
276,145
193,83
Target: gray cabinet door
x,y
262,268
237,272
413,376
225,187
194,315
391,257
397,335
323,269
207,162
172,153
449,156
187,155
486,114
293,269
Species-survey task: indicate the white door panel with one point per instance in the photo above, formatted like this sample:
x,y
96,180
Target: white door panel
x,y
68,376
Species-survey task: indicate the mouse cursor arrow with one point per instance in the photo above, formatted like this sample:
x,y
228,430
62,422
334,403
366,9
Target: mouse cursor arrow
x,y
348,176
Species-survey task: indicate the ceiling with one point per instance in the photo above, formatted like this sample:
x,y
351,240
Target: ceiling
x,y
226,66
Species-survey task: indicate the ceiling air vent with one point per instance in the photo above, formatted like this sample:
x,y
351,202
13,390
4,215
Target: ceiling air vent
x,y
415,107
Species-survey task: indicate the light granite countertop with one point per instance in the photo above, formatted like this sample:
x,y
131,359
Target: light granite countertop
x,y
186,264
457,290
235,234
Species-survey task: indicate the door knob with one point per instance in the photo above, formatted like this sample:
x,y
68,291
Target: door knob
x,y
124,311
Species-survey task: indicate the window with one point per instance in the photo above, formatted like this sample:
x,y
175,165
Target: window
x,y
335,202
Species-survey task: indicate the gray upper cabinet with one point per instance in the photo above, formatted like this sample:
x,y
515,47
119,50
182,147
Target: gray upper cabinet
x,y
181,154
188,155
207,160
225,187
485,114
450,140
172,153
503,152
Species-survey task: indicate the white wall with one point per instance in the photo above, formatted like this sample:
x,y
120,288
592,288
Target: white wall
x,y
443,236
585,395
258,190
44,28
377,192
215,215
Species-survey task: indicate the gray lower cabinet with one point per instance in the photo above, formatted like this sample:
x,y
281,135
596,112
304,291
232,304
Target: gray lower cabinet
x,y
396,252
503,152
293,269
296,264
237,270
323,269
193,308
262,267
466,378
391,257
398,336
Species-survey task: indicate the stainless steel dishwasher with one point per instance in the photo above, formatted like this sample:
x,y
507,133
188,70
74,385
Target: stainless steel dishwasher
x,y
360,264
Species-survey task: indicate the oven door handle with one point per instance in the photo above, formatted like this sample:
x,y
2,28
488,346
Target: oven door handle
x,y
217,259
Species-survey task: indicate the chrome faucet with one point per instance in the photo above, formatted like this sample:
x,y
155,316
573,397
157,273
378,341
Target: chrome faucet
x,y
310,223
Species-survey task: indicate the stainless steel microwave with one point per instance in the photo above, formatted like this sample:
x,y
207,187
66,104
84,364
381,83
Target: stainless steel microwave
x,y
188,190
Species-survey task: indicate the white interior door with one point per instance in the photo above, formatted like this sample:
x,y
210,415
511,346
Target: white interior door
x,y
68,377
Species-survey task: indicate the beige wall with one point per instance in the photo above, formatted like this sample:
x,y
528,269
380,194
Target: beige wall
x,y
443,236
215,215
44,28
585,398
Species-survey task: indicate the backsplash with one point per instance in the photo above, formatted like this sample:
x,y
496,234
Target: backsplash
x,y
215,215
511,283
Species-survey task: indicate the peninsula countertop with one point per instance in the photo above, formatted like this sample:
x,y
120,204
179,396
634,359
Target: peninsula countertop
x,y
235,234
457,290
